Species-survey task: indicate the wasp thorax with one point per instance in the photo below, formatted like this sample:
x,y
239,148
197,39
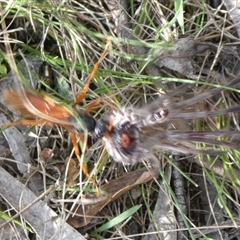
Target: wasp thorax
x,y
83,121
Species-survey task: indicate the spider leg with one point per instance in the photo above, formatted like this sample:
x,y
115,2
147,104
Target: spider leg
x,y
82,94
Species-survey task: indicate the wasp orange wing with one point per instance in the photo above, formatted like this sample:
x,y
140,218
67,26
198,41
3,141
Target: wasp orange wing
x,y
31,104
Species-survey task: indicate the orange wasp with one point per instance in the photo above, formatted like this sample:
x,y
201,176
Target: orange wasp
x,y
32,104
128,134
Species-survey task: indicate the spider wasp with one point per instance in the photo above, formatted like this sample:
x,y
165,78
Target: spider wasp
x,y
39,108
129,134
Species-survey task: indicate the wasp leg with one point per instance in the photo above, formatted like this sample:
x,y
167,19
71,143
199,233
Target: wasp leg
x,y
27,122
93,105
91,76
84,167
79,99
